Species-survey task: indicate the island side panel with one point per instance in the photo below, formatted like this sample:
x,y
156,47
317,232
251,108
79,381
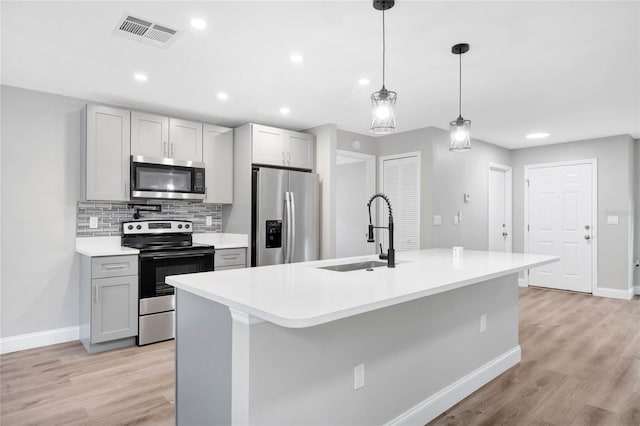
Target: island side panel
x,y
203,361
411,351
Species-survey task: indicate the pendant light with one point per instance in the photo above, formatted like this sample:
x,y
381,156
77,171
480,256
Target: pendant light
x,y
459,128
383,102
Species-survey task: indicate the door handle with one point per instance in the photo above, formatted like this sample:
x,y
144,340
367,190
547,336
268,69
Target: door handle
x,y
587,237
286,227
504,234
292,252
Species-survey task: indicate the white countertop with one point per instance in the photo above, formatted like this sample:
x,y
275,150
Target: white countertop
x,y
300,295
110,246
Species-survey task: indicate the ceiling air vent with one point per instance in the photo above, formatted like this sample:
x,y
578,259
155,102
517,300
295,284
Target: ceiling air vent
x,y
145,31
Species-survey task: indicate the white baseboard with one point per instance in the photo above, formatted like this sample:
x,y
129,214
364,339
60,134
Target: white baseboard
x,y
446,398
636,290
41,338
614,293
522,282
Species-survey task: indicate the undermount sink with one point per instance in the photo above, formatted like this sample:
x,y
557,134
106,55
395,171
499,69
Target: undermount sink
x,y
346,267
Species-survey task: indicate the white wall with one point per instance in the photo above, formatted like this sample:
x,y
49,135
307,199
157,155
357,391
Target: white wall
x,y
637,214
352,217
614,198
40,188
368,144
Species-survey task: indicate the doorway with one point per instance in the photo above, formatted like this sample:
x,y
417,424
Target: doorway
x,y
561,220
355,183
500,208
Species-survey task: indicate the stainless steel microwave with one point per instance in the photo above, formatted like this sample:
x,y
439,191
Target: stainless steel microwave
x,y
166,178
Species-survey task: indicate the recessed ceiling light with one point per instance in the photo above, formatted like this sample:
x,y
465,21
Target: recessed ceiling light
x,y
222,96
538,135
198,23
364,82
296,58
140,77
284,111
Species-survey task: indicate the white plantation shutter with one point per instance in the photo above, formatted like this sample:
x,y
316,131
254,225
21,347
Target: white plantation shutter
x,y
400,183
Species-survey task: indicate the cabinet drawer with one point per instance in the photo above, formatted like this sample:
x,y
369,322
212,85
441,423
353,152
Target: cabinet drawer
x,y
114,266
230,257
226,268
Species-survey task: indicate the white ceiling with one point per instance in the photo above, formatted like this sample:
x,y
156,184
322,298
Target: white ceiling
x,y
568,68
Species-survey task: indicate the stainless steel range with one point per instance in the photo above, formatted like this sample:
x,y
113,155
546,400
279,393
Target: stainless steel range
x,y
166,248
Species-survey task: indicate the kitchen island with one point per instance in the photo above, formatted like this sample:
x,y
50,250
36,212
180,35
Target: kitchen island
x,y
289,344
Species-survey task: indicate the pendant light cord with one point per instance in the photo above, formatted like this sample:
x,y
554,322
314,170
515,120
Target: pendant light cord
x,y
383,48
460,88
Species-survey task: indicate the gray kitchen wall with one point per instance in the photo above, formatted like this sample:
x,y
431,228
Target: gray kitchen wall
x,y
457,173
637,217
111,214
614,198
368,144
445,177
40,189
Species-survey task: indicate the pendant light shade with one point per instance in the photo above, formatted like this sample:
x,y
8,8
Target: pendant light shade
x,y
459,129
383,102
383,115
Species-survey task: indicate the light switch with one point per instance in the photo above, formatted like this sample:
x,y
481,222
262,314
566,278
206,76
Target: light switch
x,y
455,220
612,220
93,222
437,220
466,198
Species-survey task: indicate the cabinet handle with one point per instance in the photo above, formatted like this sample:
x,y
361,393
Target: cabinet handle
x,y
116,266
283,160
173,149
164,148
289,158
95,291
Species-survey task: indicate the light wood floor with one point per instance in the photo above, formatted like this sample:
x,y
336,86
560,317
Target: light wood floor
x,y
580,366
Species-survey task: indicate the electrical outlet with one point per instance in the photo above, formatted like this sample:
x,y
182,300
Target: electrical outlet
x,y
209,220
93,222
358,376
483,323
460,216
612,220
437,220
455,220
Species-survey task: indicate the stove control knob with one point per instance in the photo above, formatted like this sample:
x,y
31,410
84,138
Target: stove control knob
x,y
187,226
138,227
130,227
179,226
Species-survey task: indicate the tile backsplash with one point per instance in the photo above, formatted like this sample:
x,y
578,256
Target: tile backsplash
x,y
110,215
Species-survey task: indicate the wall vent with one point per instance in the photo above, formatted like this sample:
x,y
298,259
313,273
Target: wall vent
x,y
145,31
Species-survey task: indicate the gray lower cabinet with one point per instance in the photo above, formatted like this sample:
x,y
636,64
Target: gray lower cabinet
x,y
232,258
108,302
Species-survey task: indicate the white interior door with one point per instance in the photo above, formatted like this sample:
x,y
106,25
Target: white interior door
x,y
499,208
561,224
401,183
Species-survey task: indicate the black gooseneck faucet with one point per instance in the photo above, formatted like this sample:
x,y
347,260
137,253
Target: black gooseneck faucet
x,y
391,254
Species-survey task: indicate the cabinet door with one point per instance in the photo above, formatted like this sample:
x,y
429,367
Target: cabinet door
x,y
149,135
217,147
114,313
185,140
299,150
107,153
268,146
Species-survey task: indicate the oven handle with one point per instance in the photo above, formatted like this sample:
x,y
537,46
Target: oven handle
x,y
159,256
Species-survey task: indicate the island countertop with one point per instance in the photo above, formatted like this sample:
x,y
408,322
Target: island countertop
x,y
300,295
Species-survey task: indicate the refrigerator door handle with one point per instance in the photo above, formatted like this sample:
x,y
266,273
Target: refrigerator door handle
x,y
292,249
285,243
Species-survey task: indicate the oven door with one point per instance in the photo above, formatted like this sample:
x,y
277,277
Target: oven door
x,y
155,266
166,178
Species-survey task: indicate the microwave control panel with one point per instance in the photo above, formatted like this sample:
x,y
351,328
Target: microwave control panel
x,y
274,234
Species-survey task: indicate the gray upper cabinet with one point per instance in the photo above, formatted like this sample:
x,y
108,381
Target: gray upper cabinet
x,y
107,134
217,147
277,147
185,140
114,314
149,135
299,150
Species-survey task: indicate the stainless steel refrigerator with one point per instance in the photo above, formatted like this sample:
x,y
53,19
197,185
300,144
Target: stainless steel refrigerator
x,y
285,216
